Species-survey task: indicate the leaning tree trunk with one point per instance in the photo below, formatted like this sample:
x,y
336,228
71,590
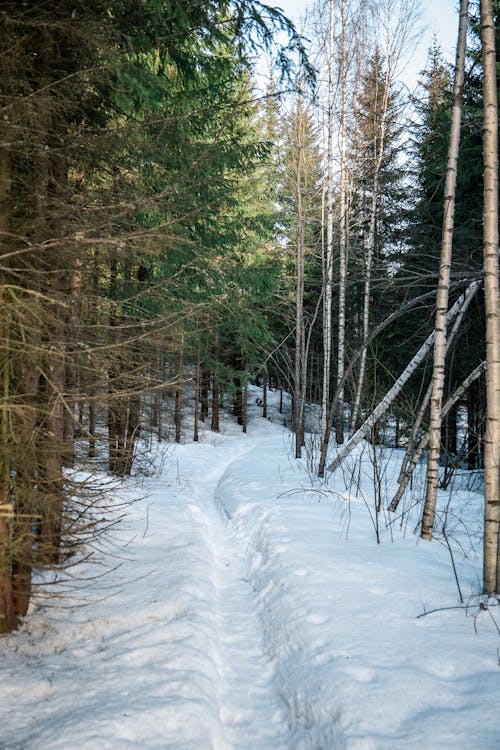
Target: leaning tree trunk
x,y
438,371
426,400
424,441
491,569
396,389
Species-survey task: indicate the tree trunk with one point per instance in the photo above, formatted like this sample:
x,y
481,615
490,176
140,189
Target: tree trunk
x,y
244,414
196,435
215,426
178,398
417,423
491,569
205,388
7,611
328,260
344,240
473,428
438,371
215,402
300,368
132,433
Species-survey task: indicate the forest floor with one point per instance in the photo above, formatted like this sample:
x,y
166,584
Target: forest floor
x,y
248,606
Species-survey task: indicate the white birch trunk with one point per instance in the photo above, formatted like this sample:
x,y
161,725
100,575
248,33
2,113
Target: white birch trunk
x,y
300,367
343,257
328,266
491,568
438,372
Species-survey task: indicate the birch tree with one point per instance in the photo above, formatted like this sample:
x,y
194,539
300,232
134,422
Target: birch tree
x,y
300,364
343,230
328,260
395,31
438,372
491,569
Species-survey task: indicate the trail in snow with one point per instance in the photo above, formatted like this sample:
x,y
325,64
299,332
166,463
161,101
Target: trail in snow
x,y
251,710
176,660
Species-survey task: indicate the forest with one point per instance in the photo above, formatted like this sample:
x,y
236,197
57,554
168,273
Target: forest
x,y
177,225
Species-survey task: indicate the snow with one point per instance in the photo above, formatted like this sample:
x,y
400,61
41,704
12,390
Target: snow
x,y
249,607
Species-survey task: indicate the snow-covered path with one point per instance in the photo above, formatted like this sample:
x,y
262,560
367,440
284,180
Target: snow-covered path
x,y
181,663
247,609
250,709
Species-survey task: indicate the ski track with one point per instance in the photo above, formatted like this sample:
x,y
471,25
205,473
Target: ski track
x,y
251,710
196,610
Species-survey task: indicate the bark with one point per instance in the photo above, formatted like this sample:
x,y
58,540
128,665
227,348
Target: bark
x,y
473,429
244,416
27,500
7,610
491,566
132,434
112,369
50,486
91,451
238,392
438,371
75,288
215,427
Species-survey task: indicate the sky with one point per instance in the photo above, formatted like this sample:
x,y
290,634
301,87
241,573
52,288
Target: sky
x,y
439,17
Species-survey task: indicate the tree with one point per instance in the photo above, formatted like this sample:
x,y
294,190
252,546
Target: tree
x,y
491,570
377,175
438,373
